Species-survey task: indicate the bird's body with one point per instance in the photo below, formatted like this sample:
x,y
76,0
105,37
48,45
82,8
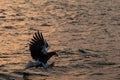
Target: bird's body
x,y
39,50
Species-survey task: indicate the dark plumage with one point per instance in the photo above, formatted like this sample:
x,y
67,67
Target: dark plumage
x,y
38,48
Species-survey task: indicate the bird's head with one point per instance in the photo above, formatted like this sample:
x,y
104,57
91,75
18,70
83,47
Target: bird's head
x,y
55,54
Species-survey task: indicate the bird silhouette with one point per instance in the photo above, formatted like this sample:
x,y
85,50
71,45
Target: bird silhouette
x,y
39,51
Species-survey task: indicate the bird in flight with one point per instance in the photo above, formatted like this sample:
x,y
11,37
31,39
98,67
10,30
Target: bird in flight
x,y
39,51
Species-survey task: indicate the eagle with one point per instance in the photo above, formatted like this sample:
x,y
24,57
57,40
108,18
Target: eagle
x,y
39,52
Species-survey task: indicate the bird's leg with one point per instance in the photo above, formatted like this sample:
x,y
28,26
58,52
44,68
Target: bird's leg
x,y
45,65
37,63
33,64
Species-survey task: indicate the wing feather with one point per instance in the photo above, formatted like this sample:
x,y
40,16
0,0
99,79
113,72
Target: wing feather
x,y
41,36
35,38
37,44
36,35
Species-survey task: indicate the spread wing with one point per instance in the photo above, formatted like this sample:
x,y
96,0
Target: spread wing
x,y
38,46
